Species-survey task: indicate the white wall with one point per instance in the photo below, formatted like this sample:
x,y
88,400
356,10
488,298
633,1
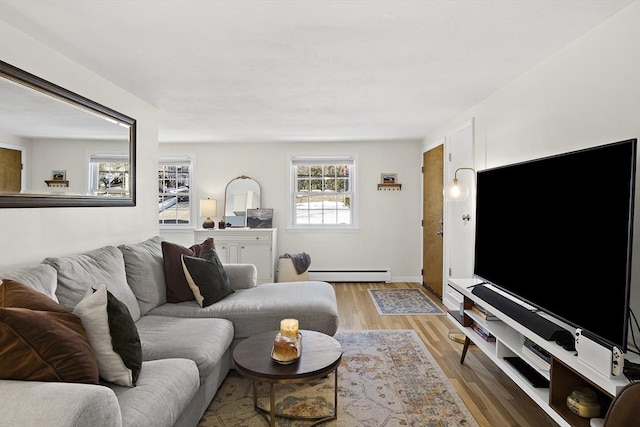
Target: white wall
x,y
390,231
588,94
27,235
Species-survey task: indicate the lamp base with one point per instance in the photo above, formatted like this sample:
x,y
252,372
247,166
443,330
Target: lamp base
x,y
208,223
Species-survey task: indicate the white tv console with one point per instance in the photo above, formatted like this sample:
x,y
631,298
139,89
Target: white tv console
x,y
567,371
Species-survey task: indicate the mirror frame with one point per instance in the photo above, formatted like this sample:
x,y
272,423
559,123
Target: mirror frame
x,y
37,200
226,196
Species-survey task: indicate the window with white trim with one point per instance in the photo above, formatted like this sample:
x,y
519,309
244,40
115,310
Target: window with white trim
x,y
323,192
174,192
109,175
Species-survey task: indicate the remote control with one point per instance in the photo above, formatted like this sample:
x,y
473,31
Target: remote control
x,y
617,362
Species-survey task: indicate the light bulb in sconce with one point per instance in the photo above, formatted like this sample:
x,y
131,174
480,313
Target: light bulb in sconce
x,y
208,209
457,191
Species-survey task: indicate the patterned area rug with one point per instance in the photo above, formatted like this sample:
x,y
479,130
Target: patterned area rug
x,y
391,302
386,378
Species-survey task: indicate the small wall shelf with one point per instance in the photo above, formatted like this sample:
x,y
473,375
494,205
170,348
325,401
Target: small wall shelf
x,y
56,183
389,187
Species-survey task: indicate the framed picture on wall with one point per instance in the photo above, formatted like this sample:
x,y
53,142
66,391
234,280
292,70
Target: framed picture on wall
x,y
388,178
260,218
58,175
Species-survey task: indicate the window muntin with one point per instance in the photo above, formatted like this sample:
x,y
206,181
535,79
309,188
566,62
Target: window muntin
x,y
174,192
323,192
109,175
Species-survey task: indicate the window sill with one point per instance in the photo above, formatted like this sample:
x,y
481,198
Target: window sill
x,y
323,229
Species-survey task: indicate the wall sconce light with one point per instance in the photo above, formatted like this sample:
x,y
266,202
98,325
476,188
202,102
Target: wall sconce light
x,y
208,208
458,191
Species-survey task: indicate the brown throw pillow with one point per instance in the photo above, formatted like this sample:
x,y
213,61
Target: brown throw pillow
x,y
40,340
178,289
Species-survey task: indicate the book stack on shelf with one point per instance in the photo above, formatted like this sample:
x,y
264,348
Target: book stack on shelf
x,y
482,332
536,355
483,312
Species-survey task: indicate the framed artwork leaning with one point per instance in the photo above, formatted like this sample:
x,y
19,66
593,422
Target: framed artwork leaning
x,y
260,218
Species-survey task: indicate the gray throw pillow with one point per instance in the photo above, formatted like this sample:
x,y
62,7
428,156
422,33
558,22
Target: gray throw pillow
x,y
145,272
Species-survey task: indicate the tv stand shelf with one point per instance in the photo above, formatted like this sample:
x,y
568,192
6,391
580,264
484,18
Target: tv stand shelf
x,y
566,372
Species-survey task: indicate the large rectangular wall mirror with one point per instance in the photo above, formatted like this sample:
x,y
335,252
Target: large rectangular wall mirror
x,y
60,149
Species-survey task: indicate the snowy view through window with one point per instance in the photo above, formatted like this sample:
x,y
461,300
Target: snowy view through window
x,y
323,194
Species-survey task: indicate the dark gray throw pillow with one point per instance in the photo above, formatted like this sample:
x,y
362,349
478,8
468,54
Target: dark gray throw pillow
x,y
206,277
124,335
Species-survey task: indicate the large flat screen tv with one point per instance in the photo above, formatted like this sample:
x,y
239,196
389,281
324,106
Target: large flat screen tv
x,y
563,226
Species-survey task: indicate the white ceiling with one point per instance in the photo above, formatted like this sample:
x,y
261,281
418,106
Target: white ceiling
x,y
259,71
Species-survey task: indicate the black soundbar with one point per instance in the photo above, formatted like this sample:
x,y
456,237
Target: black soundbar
x,y
527,318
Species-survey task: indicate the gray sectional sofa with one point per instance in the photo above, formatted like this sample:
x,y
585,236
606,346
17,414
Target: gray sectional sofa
x,y
186,349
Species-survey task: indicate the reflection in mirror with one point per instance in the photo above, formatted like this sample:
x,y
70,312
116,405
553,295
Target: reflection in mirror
x,y
58,148
242,193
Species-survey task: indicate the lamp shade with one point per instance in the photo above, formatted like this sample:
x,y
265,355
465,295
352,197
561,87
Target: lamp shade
x,y
457,190
208,208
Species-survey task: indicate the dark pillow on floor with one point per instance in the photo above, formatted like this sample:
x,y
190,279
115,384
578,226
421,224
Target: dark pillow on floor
x,y
113,335
40,340
206,277
178,289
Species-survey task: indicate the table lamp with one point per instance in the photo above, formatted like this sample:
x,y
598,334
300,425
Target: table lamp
x,y
208,208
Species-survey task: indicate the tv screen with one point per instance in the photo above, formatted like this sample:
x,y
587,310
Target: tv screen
x,y
562,225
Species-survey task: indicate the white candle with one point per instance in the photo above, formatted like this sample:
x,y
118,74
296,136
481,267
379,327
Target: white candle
x,y
289,327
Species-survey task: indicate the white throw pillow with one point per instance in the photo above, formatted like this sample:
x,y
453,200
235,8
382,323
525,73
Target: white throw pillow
x,y
116,343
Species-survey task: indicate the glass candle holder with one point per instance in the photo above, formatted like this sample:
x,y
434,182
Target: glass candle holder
x,y
287,346
289,327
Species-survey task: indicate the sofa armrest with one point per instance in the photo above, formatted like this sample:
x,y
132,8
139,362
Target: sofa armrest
x,y
57,404
241,276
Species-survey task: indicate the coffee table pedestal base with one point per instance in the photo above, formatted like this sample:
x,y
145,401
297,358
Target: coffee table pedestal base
x,y
271,414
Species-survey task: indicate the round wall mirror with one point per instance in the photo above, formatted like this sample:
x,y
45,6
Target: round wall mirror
x,y
242,193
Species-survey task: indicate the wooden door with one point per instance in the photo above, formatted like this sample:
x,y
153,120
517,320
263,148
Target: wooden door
x,y
432,219
10,170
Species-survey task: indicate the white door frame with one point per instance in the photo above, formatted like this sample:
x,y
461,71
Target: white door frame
x,y
459,217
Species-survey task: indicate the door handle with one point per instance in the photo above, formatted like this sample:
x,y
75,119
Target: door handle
x,y
439,233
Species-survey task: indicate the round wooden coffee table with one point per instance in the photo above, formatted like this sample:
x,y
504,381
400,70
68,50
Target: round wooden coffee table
x,y
320,355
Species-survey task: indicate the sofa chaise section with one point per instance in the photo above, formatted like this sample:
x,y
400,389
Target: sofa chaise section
x,y
260,308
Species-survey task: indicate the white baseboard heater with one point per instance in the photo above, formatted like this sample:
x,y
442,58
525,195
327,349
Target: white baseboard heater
x,y
383,275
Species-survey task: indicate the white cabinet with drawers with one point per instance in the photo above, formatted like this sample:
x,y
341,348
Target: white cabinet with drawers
x,y
257,246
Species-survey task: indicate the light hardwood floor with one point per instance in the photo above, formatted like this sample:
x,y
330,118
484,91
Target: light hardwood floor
x,y
491,397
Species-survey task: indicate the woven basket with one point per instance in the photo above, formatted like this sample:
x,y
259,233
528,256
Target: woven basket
x,y
286,272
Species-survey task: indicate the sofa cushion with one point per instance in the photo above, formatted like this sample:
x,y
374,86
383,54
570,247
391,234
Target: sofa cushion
x,y
178,289
78,273
145,272
113,336
40,340
47,404
164,390
206,277
204,341
40,277
261,308
241,276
